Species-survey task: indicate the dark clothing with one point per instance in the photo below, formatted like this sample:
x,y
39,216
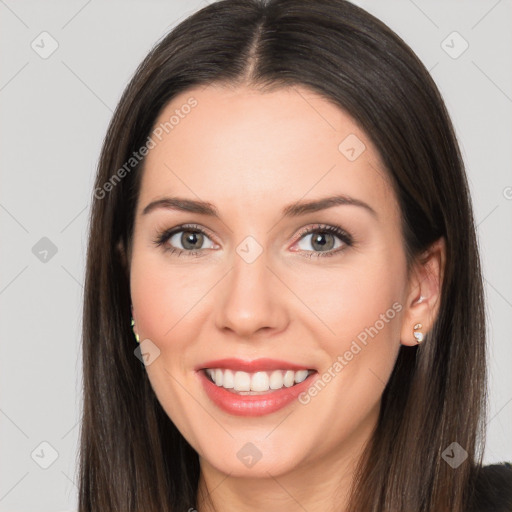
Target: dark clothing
x,y
493,489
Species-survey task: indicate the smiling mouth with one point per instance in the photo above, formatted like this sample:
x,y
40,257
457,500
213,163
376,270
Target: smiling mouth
x,y
255,383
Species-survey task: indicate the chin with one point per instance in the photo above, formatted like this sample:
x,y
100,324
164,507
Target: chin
x,y
249,461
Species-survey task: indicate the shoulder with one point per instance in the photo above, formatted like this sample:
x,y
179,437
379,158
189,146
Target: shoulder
x,y
493,488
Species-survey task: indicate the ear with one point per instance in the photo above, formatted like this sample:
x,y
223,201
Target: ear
x,y
424,292
123,257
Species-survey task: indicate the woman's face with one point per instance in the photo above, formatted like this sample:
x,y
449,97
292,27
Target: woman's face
x,y
265,289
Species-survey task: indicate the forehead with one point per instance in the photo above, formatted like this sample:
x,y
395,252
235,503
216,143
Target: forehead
x,y
239,146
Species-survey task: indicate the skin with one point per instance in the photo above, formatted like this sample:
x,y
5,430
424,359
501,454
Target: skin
x,y
250,154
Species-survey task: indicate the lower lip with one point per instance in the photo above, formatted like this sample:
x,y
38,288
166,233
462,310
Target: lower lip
x,y
252,405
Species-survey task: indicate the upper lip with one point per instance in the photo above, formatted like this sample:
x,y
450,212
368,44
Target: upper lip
x,y
262,364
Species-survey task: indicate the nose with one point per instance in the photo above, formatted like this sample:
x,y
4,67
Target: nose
x,y
252,300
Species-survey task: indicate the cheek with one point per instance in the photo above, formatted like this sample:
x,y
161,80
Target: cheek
x,y
360,311
357,310
169,307
349,299
150,294
156,290
170,302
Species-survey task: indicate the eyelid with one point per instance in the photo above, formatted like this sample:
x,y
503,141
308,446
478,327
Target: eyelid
x,y
329,228
335,230
164,235
168,233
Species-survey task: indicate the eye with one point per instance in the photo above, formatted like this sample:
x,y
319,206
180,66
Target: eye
x,y
190,240
325,240
184,239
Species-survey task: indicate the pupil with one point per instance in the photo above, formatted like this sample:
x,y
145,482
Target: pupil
x,y
320,240
189,240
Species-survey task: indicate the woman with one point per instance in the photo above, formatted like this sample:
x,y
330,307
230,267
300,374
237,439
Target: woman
x,y
283,305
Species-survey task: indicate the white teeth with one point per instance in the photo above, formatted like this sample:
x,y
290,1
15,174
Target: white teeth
x,y
300,376
276,379
289,378
242,381
228,380
258,381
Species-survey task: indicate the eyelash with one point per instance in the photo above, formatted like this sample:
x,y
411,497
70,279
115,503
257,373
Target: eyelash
x,y
345,237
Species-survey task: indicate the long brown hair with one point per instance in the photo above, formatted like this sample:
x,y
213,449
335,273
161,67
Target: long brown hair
x,y
132,457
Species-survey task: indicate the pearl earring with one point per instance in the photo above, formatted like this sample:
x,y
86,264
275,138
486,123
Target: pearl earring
x,y
135,334
417,334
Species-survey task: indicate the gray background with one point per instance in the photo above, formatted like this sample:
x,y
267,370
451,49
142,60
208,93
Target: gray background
x,y
54,114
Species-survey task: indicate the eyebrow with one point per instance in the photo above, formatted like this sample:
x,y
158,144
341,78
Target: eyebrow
x,y
293,210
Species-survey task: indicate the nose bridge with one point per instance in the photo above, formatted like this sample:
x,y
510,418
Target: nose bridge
x,y
250,300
